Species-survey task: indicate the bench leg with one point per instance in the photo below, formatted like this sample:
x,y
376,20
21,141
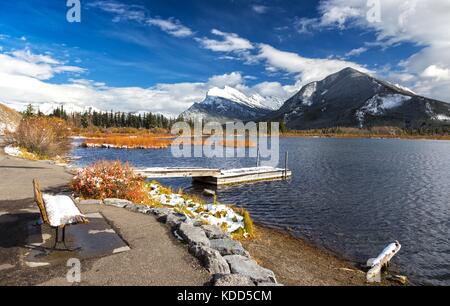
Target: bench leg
x,y
63,241
56,238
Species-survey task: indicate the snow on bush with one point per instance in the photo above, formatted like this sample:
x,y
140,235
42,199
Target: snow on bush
x,y
110,179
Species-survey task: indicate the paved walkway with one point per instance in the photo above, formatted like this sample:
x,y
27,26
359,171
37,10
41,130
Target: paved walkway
x,y
156,258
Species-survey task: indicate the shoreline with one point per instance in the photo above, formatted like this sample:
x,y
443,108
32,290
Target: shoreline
x,y
295,261
299,262
355,136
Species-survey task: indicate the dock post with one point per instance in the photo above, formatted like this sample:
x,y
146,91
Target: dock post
x,y
286,160
257,158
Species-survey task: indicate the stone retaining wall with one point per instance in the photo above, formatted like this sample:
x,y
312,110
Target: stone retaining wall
x,y
226,259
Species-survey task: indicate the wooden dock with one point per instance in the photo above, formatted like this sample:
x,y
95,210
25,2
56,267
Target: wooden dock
x,y
245,175
176,172
219,177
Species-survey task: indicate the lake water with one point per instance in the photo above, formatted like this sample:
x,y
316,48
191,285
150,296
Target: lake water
x,y
350,196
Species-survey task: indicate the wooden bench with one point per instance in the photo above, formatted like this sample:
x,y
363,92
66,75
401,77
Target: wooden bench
x,y
54,223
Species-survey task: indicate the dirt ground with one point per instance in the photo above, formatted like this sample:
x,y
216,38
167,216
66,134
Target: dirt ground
x,y
299,263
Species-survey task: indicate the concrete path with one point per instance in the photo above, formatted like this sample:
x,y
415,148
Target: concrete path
x,y
155,258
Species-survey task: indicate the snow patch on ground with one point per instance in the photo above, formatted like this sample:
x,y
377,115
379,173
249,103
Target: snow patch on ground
x,y
405,89
377,105
308,93
442,118
213,214
434,116
6,127
13,151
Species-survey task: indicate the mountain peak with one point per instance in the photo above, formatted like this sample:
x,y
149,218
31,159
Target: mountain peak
x,y
354,98
227,92
351,71
230,104
234,95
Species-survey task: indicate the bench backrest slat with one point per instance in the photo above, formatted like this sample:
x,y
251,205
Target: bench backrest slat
x,y
40,201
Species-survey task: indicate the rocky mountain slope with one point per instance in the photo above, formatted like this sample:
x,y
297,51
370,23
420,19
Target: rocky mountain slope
x,y
9,119
350,98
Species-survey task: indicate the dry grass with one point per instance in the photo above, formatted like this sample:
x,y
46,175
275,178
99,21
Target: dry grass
x,y
154,141
237,143
376,132
147,141
232,143
248,224
42,136
96,132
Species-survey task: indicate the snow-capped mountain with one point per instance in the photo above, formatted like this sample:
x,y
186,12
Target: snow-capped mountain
x,y
351,98
229,104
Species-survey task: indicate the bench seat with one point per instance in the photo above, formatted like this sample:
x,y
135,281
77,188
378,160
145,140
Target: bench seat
x,y
61,210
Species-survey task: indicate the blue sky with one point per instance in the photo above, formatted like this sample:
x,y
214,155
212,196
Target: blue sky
x,y
164,55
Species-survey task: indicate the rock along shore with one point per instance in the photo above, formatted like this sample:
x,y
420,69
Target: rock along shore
x,y
226,259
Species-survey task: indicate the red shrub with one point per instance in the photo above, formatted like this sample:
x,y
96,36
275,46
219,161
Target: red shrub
x,y
110,179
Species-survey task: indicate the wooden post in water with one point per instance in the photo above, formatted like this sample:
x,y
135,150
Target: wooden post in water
x,y
383,260
286,160
257,158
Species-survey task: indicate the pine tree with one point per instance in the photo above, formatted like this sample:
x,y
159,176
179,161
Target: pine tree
x,y
29,111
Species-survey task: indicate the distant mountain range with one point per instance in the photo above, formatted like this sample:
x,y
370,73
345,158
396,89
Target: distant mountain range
x,y
348,98
230,104
48,107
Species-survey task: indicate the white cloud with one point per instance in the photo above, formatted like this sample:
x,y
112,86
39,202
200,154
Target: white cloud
x,y
437,73
307,69
423,22
121,12
230,42
260,9
25,78
275,89
171,26
337,14
306,25
356,52
232,79
34,58
38,66
137,13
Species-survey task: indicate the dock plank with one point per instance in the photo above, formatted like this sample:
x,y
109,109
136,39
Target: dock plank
x,y
176,172
217,176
